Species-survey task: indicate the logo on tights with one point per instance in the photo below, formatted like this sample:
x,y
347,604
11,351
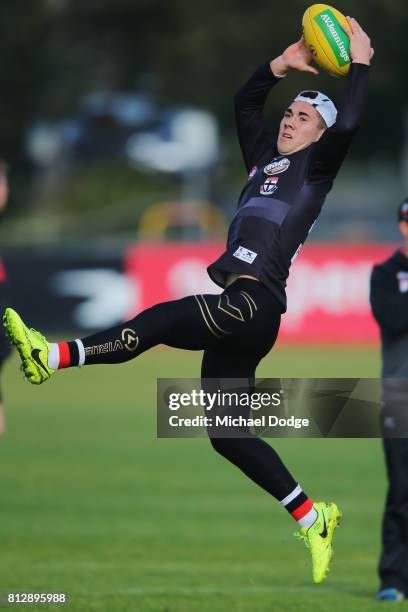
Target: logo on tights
x,y
108,347
130,339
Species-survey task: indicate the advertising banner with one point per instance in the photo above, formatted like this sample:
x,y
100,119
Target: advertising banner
x,y
61,290
328,288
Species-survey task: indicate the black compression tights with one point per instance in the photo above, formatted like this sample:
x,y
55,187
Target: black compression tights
x,y
235,330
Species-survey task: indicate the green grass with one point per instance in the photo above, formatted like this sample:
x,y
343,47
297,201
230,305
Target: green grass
x,y
93,504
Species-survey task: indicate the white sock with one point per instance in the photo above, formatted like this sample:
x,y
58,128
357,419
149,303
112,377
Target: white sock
x,y
309,518
60,358
81,351
54,357
300,507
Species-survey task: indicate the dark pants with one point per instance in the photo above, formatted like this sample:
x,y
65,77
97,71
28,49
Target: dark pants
x,y
236,330
393,567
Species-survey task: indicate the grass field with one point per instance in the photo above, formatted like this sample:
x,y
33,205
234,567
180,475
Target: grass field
x,y
94,505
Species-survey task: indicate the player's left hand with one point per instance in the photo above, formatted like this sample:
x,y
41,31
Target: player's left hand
x,y
361,50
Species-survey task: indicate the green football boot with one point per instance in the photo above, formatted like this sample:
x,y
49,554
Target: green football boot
x,y
319,537
32,347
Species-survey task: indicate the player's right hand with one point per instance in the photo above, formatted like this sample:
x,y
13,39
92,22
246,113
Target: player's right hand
x,y
296,57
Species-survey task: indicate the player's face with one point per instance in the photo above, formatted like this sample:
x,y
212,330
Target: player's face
x,y
4,190
301,125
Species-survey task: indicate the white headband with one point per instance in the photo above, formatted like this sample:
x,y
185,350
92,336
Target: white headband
x,y
321,103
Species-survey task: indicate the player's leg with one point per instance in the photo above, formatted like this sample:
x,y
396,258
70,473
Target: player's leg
x,y
179,323
225,370
195,323
230,371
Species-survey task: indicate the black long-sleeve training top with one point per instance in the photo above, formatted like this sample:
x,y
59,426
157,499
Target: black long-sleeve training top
x,y
285,193
389,303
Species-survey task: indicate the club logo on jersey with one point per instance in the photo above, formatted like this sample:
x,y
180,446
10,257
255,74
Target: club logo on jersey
x,y
269,186
245,254
276,167
403,281
252,172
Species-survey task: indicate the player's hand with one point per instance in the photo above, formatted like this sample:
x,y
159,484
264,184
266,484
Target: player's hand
x,y
361,50
297,57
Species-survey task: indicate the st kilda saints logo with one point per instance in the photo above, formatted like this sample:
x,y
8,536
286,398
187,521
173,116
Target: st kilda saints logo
x,y
129,339
277,166
269,186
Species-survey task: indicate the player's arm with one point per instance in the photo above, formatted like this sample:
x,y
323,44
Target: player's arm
x,y
390,307
253,134
330,151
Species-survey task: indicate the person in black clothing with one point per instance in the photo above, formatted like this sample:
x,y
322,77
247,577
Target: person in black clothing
x,y
290,175
389,302
4,342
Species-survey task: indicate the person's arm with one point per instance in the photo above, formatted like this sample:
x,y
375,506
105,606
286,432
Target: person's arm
x,y
389,306
330,151
253,134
